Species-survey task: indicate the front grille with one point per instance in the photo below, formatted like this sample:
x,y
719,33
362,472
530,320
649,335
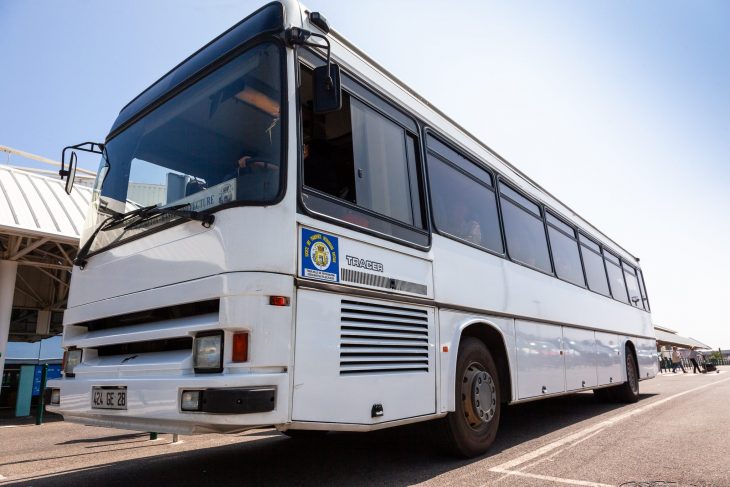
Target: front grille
x,y
175,312
168,345
380,339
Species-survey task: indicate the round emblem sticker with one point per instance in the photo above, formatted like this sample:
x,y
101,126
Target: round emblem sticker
x,y
320,256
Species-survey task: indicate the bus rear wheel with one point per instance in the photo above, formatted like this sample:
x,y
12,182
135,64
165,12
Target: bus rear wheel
x,y
470,430
628,392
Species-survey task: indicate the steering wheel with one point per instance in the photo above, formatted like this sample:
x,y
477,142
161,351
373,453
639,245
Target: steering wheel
x,y
259,164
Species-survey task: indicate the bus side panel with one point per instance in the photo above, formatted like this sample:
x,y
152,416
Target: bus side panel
x,y
610,358
540,363
647,356
355,355
580,358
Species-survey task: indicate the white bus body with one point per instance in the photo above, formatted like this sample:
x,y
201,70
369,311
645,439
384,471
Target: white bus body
x,y
347,327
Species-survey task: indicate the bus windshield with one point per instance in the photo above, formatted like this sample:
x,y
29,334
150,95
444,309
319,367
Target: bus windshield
x,y
217,142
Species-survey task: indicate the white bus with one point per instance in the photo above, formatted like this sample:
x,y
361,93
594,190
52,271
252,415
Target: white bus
x,y
282,233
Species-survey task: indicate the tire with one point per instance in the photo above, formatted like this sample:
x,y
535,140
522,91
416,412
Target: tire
x,y
306,435
628,392
470,430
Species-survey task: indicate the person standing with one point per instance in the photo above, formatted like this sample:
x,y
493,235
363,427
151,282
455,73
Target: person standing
x,y
702,362
693,358
666,359
677,361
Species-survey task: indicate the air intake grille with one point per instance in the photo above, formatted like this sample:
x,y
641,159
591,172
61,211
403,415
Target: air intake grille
x,y
382,339
377,280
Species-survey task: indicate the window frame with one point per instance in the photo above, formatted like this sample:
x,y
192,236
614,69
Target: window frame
x,y
541,208
574,237
382,105
607,257
642,289
632,270
429,132
582,239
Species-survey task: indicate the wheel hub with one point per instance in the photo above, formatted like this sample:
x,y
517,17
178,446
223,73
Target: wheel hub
x,y
479,395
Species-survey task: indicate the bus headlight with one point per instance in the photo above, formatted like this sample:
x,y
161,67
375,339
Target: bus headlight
x,y
72,359
208,352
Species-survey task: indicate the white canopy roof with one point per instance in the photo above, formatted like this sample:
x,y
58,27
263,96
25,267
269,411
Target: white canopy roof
x,y
674,339
35,205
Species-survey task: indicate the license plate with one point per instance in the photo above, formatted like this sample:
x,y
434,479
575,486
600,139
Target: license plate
x,y
109,397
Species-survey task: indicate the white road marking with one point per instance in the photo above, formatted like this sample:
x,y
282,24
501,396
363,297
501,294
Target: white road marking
x,y
550,479
556,453
521,470
509,467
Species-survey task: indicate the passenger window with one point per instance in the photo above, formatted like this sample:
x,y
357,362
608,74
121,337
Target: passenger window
x,y
462,206
381,165
632,283
616,278
642,288
524,232
364,161
566,256
595,269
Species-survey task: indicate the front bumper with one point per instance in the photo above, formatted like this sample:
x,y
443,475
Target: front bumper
x,y
153,403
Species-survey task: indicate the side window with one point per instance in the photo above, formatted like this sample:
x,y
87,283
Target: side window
x,y
595,269
464,206
632,284
615,277
381,164
564,247
642,288
361,167
524,230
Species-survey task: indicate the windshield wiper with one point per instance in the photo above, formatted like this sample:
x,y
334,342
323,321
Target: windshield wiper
x,y
80,259
206,219
118,220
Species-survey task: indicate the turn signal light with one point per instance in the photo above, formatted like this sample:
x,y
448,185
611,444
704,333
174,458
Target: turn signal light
x,y
279,300
240,347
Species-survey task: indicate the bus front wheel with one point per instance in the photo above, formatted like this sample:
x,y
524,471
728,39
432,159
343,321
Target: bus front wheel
x,y
470,430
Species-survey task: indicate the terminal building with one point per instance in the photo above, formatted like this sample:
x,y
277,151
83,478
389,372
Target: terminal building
x,y
40,226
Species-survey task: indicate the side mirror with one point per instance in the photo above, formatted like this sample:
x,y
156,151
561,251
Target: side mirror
x,y
327,89
71,173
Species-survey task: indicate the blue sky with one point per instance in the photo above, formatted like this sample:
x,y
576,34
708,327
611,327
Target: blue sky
x,y
619,108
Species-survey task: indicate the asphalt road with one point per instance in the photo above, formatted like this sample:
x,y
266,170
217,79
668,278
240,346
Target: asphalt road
x,y
678,433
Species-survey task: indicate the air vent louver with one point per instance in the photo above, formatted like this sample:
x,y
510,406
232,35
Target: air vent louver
x,y
377,339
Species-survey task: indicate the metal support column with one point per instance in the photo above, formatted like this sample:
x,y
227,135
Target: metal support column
x,y
8,271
